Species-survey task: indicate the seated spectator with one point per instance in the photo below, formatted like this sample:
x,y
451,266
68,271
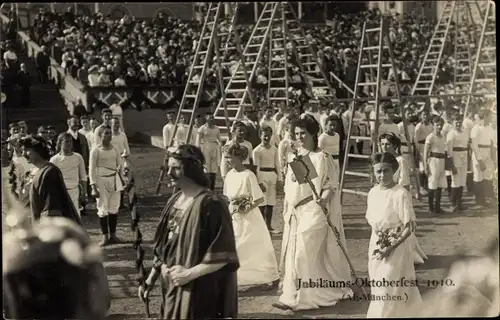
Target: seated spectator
x,y
120,82
103,78
10,57
93,77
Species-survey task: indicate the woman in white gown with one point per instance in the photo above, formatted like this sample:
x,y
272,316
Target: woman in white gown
x,y
310,252
255,250
392,144
390,208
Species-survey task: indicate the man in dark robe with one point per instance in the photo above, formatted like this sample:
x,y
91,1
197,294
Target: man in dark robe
x,y
195,254
48,194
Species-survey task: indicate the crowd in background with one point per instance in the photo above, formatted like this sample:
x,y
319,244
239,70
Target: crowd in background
x,y
129,51
100,51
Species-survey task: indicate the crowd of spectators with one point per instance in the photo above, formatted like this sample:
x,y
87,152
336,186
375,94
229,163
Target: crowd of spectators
x,y
15,79
102,52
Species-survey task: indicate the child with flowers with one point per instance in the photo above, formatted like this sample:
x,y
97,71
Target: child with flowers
x,y
391,216
258,265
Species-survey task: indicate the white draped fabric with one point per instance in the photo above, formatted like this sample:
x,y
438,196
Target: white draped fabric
x,y
388,209
309,249
253,242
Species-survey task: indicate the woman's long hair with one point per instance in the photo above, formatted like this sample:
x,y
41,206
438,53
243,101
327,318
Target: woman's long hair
x,y
193,163
393,139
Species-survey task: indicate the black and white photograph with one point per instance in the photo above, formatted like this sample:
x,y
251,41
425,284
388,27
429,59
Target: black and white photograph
x,y
249,160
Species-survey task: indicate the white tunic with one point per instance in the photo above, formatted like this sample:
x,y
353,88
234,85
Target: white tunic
x,y
457,139
208,140
72,168
120,142
168,132
329,144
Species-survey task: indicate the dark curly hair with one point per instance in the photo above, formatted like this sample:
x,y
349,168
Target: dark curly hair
x,y
37,144
385,157
308,123
393,139
193,163
237,150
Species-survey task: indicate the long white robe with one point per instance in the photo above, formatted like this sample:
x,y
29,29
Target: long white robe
x,y
255,250
388,209
309,248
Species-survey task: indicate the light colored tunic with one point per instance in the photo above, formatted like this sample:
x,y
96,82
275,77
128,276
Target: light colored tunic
x,y
437,175
105,166
208,140
421,132
457,143
267,158
167,132
73,171
482,138
120,142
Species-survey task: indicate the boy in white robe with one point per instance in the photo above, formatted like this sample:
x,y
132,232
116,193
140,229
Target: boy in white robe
x,y
266,161
457,141
434,161
209,141
72,167
329,140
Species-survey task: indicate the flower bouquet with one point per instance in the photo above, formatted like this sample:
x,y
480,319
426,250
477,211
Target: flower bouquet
x,y
386,239
241,204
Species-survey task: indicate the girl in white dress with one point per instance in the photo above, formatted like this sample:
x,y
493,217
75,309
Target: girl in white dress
x,y
255,250
390,208
390,143
309,250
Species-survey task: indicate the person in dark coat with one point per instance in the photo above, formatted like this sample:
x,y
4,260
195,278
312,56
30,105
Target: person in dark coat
x,y
48,194
42,61
194,256
25,85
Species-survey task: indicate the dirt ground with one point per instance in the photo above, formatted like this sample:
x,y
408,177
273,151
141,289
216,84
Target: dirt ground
x,y
443,238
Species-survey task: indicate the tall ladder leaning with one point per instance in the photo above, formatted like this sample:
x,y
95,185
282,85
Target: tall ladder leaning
x,y
430,66
373,73
462,51
239,91
307,56
485,68
196,78
278,77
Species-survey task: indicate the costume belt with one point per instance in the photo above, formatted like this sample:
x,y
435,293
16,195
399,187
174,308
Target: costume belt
x,y
437,155
267,169
484,146
304,201
460,149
